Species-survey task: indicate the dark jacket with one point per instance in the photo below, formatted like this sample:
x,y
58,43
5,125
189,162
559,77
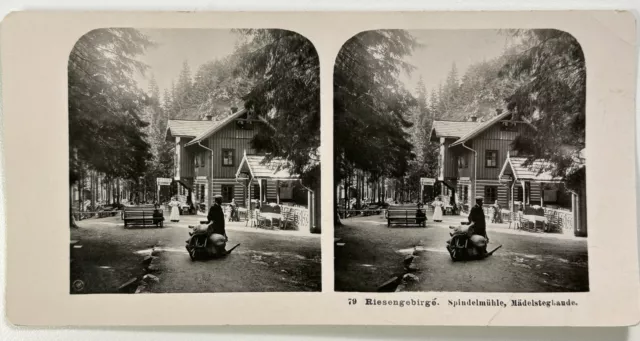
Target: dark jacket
x,y
476,216
216,215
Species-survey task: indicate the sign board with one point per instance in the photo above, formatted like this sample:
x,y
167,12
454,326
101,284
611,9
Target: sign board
x,y
465,178
427,181
505,178
243,176
163,181
201,178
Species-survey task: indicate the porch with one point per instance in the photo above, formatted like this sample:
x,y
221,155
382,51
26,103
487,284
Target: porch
x,y
537,200
275,199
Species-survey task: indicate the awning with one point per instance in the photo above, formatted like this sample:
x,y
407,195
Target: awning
x,y
538,171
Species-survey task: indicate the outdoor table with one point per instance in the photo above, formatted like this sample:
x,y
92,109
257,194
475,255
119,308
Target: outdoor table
x,y
271,216
535,219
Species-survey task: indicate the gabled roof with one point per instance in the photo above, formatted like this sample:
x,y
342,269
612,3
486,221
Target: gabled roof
x,y
480,128
273,169
515,166
454,129
186,128
216,125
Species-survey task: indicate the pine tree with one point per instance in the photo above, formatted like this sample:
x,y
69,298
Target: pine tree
x,y
421,92
452,79
107,125
434,105
552,97
372,109
153,90
287,95
167,104
183,96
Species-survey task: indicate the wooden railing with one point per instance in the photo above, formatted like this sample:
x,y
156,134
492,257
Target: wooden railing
x,y
98,214
301,212
560,221
300,222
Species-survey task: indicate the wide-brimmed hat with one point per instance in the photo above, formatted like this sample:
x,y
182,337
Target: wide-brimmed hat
x,y
479,198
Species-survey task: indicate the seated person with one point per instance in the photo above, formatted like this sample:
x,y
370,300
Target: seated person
x,y
477,221
421,216
214,230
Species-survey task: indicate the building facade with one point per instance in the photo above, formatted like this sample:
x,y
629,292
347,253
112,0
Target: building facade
x,y
211,154
477,159
472,155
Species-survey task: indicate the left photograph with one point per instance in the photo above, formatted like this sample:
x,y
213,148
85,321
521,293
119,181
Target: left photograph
x,y
194,162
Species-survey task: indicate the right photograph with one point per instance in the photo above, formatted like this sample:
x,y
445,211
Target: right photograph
x,y
459,162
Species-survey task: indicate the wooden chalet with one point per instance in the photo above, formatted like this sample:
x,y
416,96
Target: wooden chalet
x,y
211,153
472,154
562,206
477,159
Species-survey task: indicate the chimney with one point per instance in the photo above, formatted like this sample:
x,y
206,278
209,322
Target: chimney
x,y
473,118
208,117
498,112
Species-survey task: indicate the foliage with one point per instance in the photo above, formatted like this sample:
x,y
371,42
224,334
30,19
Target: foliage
x,y
550,67
106,128
425,163
478,93
286,94
371,107
220,84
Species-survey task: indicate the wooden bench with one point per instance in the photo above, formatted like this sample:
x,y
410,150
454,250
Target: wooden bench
x,y
142,215
405,215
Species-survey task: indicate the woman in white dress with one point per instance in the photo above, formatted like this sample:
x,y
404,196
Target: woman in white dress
x,y
175,210
437,209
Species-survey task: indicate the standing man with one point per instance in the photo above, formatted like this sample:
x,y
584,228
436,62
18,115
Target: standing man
x,y
477,220
497,213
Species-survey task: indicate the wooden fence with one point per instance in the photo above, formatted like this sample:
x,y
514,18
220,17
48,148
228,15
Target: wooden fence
x,y
302,214
99,214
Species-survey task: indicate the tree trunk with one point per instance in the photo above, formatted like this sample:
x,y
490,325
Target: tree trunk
x,y
72,219
336,216
118,201
81,192
107,187
93,191
358,190
374,191
346,192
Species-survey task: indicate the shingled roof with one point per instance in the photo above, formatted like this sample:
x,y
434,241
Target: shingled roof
x,y
480,128
515,166
218,123
454,129
186,128
273,169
